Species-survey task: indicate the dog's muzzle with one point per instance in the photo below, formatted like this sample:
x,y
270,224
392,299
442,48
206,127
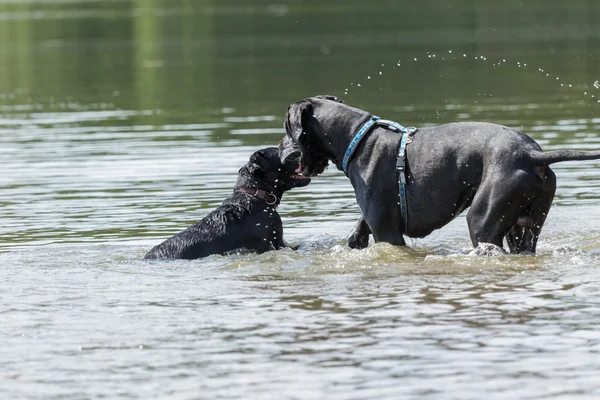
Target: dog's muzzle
x,y
290,154
289,150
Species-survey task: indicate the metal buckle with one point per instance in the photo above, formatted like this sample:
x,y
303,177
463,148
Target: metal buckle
x,y
274,199
390,127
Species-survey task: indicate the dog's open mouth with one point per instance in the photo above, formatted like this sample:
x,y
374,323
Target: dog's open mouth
x,y
298,173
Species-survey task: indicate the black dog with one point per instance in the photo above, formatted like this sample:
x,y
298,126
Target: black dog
x,y
247,221
500,173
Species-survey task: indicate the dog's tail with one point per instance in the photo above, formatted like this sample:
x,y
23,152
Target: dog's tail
x,y
541,158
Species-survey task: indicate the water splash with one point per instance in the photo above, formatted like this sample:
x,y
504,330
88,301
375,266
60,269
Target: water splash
x,y
519,64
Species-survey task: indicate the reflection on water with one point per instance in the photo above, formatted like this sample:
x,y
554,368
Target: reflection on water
x,y
521,326
122,122
98,175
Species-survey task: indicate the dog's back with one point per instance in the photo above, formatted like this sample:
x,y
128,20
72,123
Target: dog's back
x,y
231,228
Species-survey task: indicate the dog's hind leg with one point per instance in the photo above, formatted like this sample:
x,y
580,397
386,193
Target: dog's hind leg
x,y
497,206
519,238
523,236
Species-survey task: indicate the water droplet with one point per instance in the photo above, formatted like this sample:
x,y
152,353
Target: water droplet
x,y
369,77
415,58
380,73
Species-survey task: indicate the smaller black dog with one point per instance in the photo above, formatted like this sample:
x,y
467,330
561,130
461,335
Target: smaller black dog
x,y
247,221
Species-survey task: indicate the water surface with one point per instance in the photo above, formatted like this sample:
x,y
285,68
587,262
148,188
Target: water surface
x,y
122,122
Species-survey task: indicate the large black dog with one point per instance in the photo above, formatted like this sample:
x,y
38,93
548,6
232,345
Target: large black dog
x,y
247,221
500,173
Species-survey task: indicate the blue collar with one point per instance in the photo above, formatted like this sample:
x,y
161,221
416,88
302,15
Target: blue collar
x,y
356,140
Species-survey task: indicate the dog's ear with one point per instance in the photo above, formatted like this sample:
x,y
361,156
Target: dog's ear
x,y
328,97
295,119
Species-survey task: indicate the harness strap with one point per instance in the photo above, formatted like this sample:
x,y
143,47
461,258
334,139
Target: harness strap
x,y
401,170
356,140
407,134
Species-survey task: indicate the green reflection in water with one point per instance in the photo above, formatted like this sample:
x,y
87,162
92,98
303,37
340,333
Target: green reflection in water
x,y
193,58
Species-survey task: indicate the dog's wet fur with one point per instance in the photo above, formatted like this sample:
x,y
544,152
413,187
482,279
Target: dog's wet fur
x,y
243,223
499,173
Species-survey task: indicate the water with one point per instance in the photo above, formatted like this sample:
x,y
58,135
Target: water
x,y
122,122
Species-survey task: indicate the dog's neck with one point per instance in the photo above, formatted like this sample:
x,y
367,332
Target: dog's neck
x,y
345,128
268,197
260,190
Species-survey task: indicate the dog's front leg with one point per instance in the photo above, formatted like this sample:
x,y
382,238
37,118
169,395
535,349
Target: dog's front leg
x,y
359,238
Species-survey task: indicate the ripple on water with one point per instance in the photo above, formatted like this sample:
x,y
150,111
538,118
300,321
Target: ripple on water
x,y
84,202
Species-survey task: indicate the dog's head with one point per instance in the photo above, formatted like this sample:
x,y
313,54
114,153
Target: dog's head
x,y
305,136
266,171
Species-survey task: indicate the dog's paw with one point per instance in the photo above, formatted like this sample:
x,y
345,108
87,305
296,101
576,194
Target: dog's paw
x,y
356,241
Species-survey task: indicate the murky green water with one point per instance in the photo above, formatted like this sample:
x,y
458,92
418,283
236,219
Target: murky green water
x,y
122,122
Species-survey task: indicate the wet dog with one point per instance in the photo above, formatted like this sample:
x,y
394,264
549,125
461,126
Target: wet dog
x,y
500,173
247,221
